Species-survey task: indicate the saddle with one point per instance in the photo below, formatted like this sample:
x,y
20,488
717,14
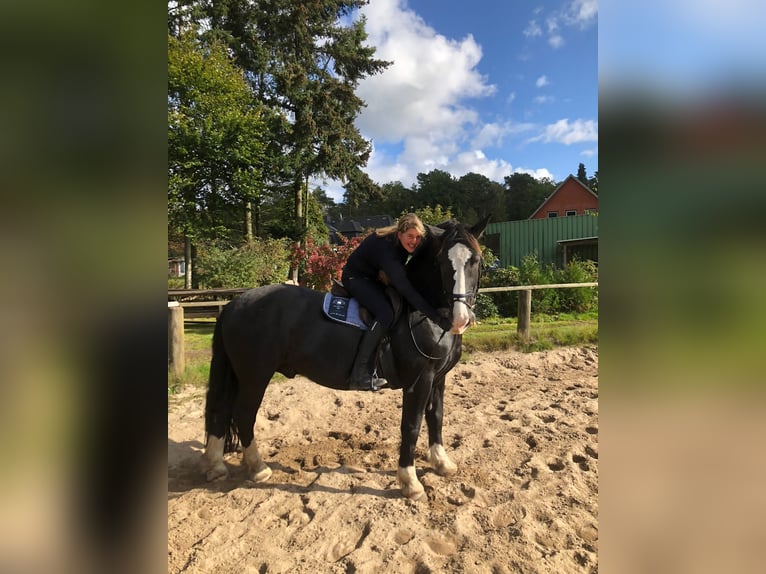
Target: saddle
x,y
341,307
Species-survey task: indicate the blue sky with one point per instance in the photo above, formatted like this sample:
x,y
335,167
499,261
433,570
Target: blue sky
x,y
685,48
488,86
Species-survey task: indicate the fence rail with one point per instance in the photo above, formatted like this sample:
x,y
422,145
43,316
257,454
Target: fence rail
x,y
529,287
212,308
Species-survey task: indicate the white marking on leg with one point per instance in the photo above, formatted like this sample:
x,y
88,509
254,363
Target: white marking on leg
x,y
215,468
257,470
440,460
409,483
459,255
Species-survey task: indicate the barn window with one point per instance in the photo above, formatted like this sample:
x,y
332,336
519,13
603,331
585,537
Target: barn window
x,y
570,212
553,214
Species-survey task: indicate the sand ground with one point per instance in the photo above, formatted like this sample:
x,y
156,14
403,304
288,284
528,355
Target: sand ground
x,y
523,429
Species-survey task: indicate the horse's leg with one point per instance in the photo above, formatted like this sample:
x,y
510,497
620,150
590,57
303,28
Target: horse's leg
x,y
245,411
219,402
414,403
437,456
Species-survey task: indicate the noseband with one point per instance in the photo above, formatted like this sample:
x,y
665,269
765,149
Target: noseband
x,y
463,298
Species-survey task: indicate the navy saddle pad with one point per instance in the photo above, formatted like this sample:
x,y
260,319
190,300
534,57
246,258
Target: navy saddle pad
x,y
344,310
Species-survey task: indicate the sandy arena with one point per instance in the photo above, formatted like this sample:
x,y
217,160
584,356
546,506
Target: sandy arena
x,y
523,429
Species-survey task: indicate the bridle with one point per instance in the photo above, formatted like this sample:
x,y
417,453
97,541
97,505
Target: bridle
x,y
467,299
464,298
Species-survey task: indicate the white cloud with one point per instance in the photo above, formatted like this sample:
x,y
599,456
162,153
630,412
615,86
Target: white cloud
x,y
541,173
543,99
418,112
421,93
556,41
583,12
565,133
575,14
476,162
533,29
492,134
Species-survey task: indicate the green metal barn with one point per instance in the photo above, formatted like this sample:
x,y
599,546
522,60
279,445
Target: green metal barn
x,y
555,240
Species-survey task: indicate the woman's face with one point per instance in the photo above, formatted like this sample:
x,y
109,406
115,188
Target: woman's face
x,y
410,239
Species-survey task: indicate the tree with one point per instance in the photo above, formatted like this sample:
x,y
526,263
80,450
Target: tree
x,y
478,197
215,142
593,182
581,174
524,194
433,215
304,60
360,192
436,187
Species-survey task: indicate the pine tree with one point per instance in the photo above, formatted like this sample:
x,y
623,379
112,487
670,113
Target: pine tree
x,y
581,174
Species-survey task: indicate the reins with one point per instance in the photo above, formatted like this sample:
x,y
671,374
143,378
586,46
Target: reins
x,y
467,299
412,335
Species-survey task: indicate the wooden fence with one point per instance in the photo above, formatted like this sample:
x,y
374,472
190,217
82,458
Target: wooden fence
x,y
176,312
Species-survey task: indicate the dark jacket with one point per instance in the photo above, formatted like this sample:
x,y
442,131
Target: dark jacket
x,y
384,253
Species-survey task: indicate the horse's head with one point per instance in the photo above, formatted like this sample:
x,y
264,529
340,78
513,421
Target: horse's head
x,y
457,254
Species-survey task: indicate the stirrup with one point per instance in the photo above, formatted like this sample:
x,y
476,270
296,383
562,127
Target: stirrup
x,y
376,382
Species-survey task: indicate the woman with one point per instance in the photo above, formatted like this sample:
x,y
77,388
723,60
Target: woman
x,y
385,250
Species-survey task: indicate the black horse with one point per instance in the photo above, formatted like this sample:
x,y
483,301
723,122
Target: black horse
x,y
282,328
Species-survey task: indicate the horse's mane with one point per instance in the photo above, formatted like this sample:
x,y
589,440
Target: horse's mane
x,y
456,231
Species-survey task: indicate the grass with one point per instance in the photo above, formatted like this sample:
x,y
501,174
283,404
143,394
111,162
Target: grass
x,y
496,334
546,332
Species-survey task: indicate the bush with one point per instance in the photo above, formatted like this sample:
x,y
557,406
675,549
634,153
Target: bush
x,y
544,301
485,307
583,298
261,262
319,263
506,302
532,273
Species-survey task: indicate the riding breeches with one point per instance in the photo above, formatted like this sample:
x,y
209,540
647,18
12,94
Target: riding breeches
x,y
372,295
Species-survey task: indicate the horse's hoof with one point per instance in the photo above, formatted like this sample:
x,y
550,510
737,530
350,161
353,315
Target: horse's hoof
x,y
409,483
261,475
414,494
441,463
218,472
445,469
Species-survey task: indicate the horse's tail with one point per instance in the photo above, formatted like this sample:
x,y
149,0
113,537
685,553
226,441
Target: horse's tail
x,y
221,394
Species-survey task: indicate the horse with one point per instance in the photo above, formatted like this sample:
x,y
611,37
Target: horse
x,y
282,328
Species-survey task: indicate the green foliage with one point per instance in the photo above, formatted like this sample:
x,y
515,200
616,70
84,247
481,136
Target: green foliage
x,y
583,298
544,301
524,194
432,215
485,307
532,273
506,302
261,262
215,138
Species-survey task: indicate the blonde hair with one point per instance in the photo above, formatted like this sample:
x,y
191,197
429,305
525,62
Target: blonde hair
x,y
405,223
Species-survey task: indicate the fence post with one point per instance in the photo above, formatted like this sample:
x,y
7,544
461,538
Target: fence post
x,y
176,337
525,313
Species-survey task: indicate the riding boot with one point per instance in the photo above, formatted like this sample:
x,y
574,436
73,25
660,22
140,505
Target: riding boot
x,y
362,373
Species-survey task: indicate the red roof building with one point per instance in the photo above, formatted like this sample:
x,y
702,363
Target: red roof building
x,y
572,197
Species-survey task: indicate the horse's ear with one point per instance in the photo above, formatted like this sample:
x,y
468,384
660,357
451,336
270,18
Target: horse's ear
x,y
478,230
434,230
